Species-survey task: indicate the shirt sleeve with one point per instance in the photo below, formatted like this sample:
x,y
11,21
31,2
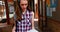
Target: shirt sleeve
x,y
32,15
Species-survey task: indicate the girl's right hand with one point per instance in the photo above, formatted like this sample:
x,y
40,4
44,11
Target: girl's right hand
x,y
13,30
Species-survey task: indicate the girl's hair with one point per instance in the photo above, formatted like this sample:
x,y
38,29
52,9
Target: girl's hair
x,y
19,11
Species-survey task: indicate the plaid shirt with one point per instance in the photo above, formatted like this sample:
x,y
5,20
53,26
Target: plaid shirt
x,y
25,24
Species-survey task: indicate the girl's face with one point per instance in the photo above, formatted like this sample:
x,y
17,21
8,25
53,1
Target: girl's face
x,y
24,4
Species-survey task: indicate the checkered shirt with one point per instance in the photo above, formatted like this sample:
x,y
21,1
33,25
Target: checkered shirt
x,y
25,24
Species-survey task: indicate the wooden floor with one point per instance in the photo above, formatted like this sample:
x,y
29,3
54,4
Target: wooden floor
x,y
53,25
5,28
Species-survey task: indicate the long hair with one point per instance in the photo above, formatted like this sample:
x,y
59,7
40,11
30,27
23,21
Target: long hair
x,y
19,10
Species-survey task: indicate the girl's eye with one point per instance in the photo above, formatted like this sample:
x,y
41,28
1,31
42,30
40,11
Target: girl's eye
x,y
23,4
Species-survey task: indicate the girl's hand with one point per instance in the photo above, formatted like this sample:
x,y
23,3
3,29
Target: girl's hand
x,y
13,30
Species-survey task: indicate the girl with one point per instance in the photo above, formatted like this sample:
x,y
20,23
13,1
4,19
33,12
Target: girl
x,y
25,21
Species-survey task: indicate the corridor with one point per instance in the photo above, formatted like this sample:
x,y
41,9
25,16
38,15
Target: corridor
x,y
46,14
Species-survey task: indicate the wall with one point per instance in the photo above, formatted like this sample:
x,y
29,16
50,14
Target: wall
x,y
56,15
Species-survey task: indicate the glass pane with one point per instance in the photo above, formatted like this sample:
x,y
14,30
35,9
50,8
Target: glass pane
x,y
11,8
2,12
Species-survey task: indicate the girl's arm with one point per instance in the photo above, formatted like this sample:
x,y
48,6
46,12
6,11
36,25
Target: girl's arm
x,y
32,20
13,30
14,25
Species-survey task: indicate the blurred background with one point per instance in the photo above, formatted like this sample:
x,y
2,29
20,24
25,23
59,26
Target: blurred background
x,y
46,15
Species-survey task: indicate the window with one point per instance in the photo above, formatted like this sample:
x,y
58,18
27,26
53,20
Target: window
x,y
2,12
